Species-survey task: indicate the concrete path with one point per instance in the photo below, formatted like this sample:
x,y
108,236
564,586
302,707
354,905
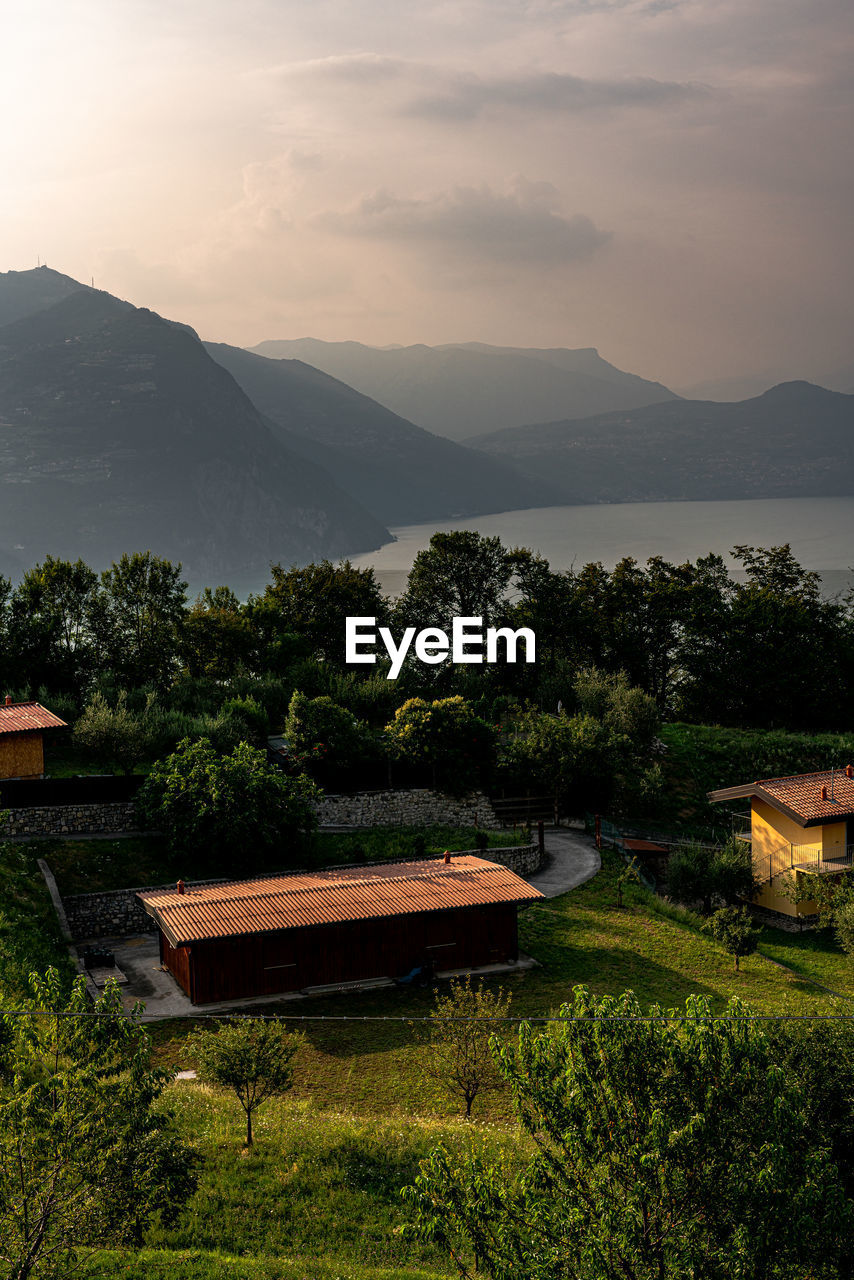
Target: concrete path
x,y
571,859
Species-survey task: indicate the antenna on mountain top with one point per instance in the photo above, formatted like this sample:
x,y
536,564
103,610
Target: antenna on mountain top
x,y
38,261
832,773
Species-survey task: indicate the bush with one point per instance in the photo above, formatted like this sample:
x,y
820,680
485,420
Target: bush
x,y
211,805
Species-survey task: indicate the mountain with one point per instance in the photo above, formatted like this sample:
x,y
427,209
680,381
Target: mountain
x,y
118,432
400,472
463,390
795,440
22,293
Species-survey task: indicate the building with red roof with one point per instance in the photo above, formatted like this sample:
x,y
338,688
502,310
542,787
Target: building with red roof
x,y
284,933
801,825
22,728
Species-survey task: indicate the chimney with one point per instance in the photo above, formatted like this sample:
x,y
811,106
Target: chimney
x,y
849,772
181,888
447,858
8,699
824,793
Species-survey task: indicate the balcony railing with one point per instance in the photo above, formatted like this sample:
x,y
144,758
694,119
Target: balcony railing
x,y
811,859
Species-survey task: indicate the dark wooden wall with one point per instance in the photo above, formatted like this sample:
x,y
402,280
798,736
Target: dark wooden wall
x,y
390,946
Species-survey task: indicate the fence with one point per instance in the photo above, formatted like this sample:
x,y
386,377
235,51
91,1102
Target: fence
x,y
46,793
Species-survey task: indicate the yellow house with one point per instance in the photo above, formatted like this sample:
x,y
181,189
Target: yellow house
x,y
22,725
800,826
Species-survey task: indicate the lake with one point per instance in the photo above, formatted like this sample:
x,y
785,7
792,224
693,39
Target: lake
x,y
820,531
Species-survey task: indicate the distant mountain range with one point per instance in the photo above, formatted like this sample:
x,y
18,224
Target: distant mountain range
x,y
795,440
401,473
119,432
463,390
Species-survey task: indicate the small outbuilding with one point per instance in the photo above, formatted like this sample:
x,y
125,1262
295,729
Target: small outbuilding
x,y
22,728
285,933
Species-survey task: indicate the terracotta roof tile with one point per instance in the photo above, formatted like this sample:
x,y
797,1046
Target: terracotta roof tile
x,y
332,897
24,717
802,794
799,795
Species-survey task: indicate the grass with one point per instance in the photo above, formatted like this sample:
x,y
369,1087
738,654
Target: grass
x,y
29,932
92,866
319,1194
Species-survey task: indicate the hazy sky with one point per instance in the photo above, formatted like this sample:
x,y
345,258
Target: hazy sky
x,y
670,181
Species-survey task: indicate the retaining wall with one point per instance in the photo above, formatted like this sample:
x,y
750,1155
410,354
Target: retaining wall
x,y
413,808
524,859
116,912
70,819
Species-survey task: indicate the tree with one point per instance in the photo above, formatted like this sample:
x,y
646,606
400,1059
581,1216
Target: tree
x,y
116,733
461,574
86,1154
52,612
312,603
216,637
137,618
446,736
700,873
463,1024
662,1150
210,805
630,874
734,929
320,726
251,1056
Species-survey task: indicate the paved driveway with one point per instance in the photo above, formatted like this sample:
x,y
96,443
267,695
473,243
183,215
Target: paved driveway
x,y
571,859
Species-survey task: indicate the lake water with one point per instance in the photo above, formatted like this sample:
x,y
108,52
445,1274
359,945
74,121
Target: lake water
x,y
820,531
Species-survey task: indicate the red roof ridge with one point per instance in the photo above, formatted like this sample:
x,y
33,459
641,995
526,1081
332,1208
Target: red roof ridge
x,y
213,892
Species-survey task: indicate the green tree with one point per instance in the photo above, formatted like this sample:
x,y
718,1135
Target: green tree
x,y
117,733
320,726
662,1150
461,574
464,1021
251,1056
217,638
51,617
446,736
137,618
311,604
734,929
209,805
700,873
87,1156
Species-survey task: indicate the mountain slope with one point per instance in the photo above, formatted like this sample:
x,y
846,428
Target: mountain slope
x,y
118,432
460,391
795,440
22,293
402,473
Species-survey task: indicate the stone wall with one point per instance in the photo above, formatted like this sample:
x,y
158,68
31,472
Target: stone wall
x,y
70,819
414,808
524,859
115,913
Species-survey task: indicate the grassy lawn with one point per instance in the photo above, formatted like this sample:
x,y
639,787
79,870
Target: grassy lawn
x,y
91,866
317,1196
29,932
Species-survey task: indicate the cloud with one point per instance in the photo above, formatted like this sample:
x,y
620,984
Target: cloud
x,y
551,91
351,68
521,226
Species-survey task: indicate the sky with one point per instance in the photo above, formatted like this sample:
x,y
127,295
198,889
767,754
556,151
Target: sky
x,y
669,181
